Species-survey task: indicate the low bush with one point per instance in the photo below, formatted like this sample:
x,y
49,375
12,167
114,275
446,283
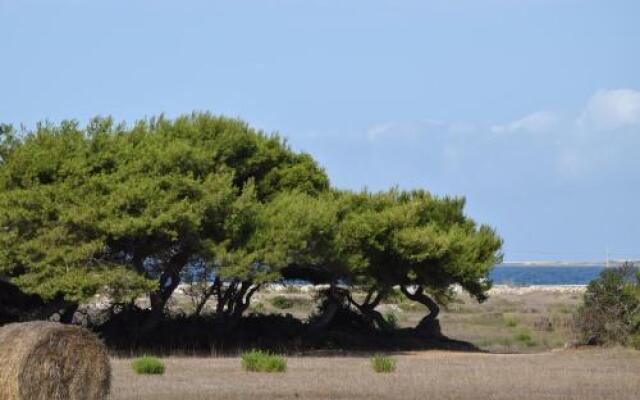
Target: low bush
x,y
391,319
610,313
260,361
383,364
282,302
525,338
148,366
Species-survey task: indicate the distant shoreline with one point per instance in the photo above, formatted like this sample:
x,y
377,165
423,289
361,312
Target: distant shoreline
x,y
566,264
496,289
520,290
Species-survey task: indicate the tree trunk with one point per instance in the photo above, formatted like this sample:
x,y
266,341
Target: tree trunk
x,y
225,297
429,324
169,281
206,296
243,299
368,308
333,303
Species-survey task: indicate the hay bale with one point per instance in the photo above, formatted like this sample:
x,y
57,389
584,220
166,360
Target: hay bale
x,y
50,361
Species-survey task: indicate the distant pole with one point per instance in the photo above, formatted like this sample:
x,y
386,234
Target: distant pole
x,y
607,262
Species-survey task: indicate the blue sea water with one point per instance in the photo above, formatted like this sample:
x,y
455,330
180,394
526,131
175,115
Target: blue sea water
x,y
531,275
539,275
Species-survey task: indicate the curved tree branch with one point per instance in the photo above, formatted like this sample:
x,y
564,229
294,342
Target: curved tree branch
x,y
422,298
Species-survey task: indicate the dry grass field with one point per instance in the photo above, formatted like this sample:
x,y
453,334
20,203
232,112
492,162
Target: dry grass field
x,y
609,374
522,331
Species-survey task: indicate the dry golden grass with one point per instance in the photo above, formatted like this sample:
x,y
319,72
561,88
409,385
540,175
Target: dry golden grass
x,y
610,374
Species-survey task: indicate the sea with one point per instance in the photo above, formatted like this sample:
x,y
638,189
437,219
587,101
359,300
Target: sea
x,y
524,275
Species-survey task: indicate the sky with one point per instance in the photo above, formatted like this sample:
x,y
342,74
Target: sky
x,y
530,109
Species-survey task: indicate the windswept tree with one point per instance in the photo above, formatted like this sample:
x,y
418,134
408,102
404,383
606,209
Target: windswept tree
x,y
423,244
125,210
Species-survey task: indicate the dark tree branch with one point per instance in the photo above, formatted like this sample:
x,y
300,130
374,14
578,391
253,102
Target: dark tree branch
x,y
431,319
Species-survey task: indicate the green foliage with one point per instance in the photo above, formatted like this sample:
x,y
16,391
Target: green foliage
x,y
260,361
379,241
8,141
525,338
391,319
282,302
383,364
148,365
610,312
124,209
430,240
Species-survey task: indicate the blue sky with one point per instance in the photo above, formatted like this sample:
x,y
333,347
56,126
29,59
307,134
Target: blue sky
x,y
529,108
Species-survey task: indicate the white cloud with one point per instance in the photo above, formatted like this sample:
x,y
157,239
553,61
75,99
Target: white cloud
x,y
378,130
402,129
540,121
611,109
593,141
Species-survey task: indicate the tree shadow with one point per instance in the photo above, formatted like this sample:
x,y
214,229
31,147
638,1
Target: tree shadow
x,y
206,336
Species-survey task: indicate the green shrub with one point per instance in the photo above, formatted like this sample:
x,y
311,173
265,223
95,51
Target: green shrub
x,y
147,365
392,320
525,338
260,361
610,313
281,302
511,322
383,364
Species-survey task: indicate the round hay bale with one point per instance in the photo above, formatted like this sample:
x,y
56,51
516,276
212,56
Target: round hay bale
x,y
51,361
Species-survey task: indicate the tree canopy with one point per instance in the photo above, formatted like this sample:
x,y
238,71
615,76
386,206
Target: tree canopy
x,y
412,240
108,207
129,211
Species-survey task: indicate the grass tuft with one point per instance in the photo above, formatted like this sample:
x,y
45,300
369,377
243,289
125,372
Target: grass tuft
x,y
526,339
511,322
392,320
260,361
282,302
148,365
383,364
